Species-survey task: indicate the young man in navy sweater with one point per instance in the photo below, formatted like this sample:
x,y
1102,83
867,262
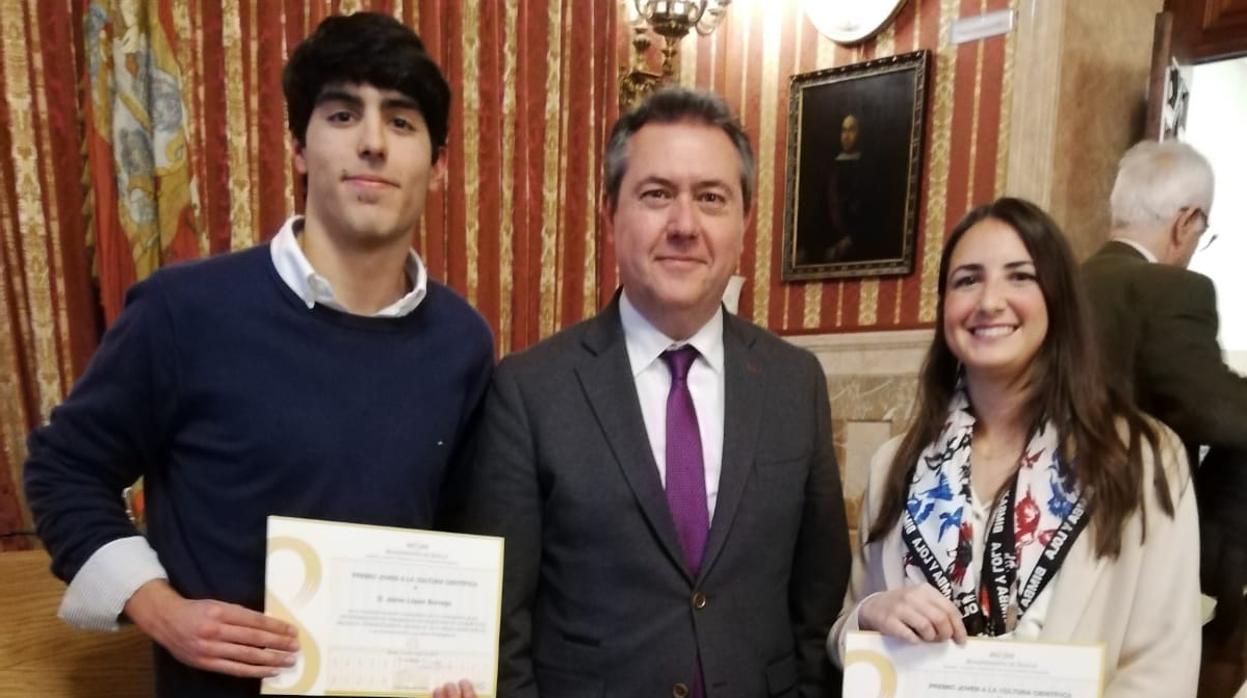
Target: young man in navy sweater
x,y
323,375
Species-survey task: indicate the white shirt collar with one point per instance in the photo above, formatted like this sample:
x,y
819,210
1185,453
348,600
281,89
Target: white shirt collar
x,y
1147,254
312,288
646,343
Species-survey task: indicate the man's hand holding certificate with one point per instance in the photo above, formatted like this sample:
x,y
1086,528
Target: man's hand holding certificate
x,y
383,611
884,667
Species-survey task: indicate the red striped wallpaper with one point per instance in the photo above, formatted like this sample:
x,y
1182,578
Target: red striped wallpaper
x,y
515,231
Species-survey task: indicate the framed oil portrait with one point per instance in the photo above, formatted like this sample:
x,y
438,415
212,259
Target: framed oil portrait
x,y
854,168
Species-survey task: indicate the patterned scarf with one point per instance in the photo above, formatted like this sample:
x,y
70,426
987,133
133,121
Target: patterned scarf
x,y
939,502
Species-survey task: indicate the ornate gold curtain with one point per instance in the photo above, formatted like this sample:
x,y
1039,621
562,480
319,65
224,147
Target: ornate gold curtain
x,y
48,324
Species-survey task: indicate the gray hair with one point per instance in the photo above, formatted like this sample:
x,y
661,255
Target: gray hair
x,y
1156,180
668,106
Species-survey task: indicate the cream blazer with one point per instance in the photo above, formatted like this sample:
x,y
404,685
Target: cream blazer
x,y
1143,606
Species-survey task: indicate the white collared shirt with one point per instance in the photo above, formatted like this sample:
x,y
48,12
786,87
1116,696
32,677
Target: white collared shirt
x,y
294,269
1147,254
99,591
706,381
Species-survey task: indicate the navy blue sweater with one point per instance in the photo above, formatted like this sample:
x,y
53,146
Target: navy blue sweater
x,y
235,401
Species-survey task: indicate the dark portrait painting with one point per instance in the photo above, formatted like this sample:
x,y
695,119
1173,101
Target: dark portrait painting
x,y
854,163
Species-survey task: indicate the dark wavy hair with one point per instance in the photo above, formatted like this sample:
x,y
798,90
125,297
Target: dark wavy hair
x,y
1066,385
365,48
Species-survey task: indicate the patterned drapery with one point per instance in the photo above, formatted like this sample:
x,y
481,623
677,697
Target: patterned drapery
x,y
137,159
48,325
142,132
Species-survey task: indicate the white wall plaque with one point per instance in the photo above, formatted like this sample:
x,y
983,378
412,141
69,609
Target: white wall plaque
x,y
981,26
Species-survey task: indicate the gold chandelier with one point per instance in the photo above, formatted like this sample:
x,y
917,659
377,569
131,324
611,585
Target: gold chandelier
x,y
672,20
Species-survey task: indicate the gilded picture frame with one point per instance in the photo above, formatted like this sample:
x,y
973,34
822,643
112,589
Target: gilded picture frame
x,y
854,168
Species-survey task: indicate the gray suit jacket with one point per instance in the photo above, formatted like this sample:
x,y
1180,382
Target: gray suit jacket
x,y
597,600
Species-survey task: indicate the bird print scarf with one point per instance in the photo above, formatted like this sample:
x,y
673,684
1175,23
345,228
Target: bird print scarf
x,y
1032,526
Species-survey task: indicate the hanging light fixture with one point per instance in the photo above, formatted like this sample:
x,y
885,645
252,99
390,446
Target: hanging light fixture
x,y
672,20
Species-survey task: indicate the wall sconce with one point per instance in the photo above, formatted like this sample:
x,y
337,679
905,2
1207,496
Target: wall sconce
x,y
672,20
851,22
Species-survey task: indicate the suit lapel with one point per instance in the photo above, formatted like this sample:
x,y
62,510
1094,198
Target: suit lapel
x,y
744,388
1073,588
610,389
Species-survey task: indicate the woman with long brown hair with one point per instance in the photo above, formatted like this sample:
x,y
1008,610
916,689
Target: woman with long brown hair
x,y
1015,424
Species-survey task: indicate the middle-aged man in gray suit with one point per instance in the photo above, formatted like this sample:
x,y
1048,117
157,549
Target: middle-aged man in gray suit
x,y
663,473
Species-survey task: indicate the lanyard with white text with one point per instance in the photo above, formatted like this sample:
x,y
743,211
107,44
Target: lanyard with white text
x,y
1000,562
1000,566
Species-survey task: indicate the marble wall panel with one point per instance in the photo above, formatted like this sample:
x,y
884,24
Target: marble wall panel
x,y
872,378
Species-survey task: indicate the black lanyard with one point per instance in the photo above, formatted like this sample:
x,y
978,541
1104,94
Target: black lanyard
x,y
1000,565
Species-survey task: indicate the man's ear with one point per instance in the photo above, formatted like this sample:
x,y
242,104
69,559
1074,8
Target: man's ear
x,y
437,174
1186,226
300,161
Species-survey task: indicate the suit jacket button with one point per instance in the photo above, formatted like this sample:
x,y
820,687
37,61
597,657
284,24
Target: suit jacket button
x,y
699,600
679,690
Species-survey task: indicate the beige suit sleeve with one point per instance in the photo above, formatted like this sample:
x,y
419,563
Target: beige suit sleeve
x,y
1161,650
867,575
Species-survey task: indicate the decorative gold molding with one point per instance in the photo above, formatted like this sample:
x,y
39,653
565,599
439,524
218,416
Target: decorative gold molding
x,y
506,217
589,282
939,150
242,218
547,308
764,197
868,303
470,43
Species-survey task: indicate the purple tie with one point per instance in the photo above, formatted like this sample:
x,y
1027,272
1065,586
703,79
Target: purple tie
x,y
686,472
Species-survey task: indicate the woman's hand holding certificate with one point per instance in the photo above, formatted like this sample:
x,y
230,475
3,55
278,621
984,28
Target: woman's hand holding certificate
x,y
913,613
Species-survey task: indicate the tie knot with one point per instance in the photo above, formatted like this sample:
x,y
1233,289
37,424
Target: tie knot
x,y
679,361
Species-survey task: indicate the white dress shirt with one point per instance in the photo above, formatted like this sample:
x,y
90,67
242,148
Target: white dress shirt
x,y
706,380
99,591
312,288
1147,254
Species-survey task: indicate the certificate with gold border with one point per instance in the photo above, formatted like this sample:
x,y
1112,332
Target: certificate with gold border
x,y
383,611
876,666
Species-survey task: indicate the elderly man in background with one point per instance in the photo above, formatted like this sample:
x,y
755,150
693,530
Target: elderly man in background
x,y
1157,324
